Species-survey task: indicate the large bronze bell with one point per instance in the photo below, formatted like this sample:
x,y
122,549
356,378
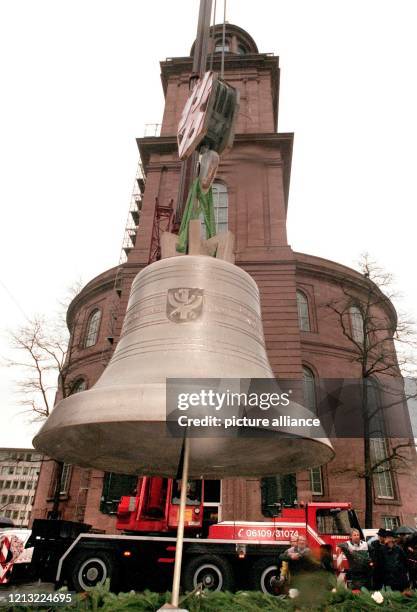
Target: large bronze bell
x,y
187,317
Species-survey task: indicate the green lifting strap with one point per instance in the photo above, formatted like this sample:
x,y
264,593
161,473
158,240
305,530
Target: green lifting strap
x,y
197,203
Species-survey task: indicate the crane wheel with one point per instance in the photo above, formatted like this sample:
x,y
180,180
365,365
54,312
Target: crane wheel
x,y
212,572
263,575
89,569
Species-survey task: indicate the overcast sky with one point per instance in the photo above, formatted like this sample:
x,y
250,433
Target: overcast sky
x,y
80,79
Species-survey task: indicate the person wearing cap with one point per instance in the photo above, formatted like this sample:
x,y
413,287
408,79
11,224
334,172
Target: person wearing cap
x,y
394,565
375,546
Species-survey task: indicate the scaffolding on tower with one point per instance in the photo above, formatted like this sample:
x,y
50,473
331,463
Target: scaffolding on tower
x,y
162,222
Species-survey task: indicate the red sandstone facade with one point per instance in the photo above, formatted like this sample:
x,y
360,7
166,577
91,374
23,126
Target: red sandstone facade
x,y
256,175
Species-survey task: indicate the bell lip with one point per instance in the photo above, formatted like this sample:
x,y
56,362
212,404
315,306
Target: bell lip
x,y
326,453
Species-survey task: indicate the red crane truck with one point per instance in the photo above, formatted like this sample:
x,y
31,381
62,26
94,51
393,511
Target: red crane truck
x,y
220,556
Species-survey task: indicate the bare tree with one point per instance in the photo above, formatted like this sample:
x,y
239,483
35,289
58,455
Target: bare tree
x,y
43,347
381,344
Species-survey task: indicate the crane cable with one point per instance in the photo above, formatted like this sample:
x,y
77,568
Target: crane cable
x,y
213,42
223,39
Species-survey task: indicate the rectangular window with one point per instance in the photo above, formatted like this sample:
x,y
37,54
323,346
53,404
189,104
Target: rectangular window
x,y
11,499
10,470
22,484
383,481
212,491
3,499
391,522
8,513
65,479
29,485
25,471
114,487
18,499
7,484
15,514
333,522
25,499
316,481
212,511
15,484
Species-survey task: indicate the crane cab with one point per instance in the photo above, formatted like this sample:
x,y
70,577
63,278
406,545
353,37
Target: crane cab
x,y
155,507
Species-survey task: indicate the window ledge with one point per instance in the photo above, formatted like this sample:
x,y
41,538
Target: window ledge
x,y
380,501
62,497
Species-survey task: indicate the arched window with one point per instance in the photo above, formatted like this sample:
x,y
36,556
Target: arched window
x,y
356,322
383,478
303,314
241,50
79,385
309,389
383,474
93,327
310,402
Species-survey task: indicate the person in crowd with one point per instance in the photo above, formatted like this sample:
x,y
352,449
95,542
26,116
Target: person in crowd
x,y
411,553
290,558
360,569
375,546
394,567
402,539
307,575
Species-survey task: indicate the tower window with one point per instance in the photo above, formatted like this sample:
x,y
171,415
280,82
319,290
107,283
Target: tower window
x,y
93,327
218,48
303,314
241,50
220,203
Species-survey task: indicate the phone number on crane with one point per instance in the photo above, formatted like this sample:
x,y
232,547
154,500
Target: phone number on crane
x,y
266,533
